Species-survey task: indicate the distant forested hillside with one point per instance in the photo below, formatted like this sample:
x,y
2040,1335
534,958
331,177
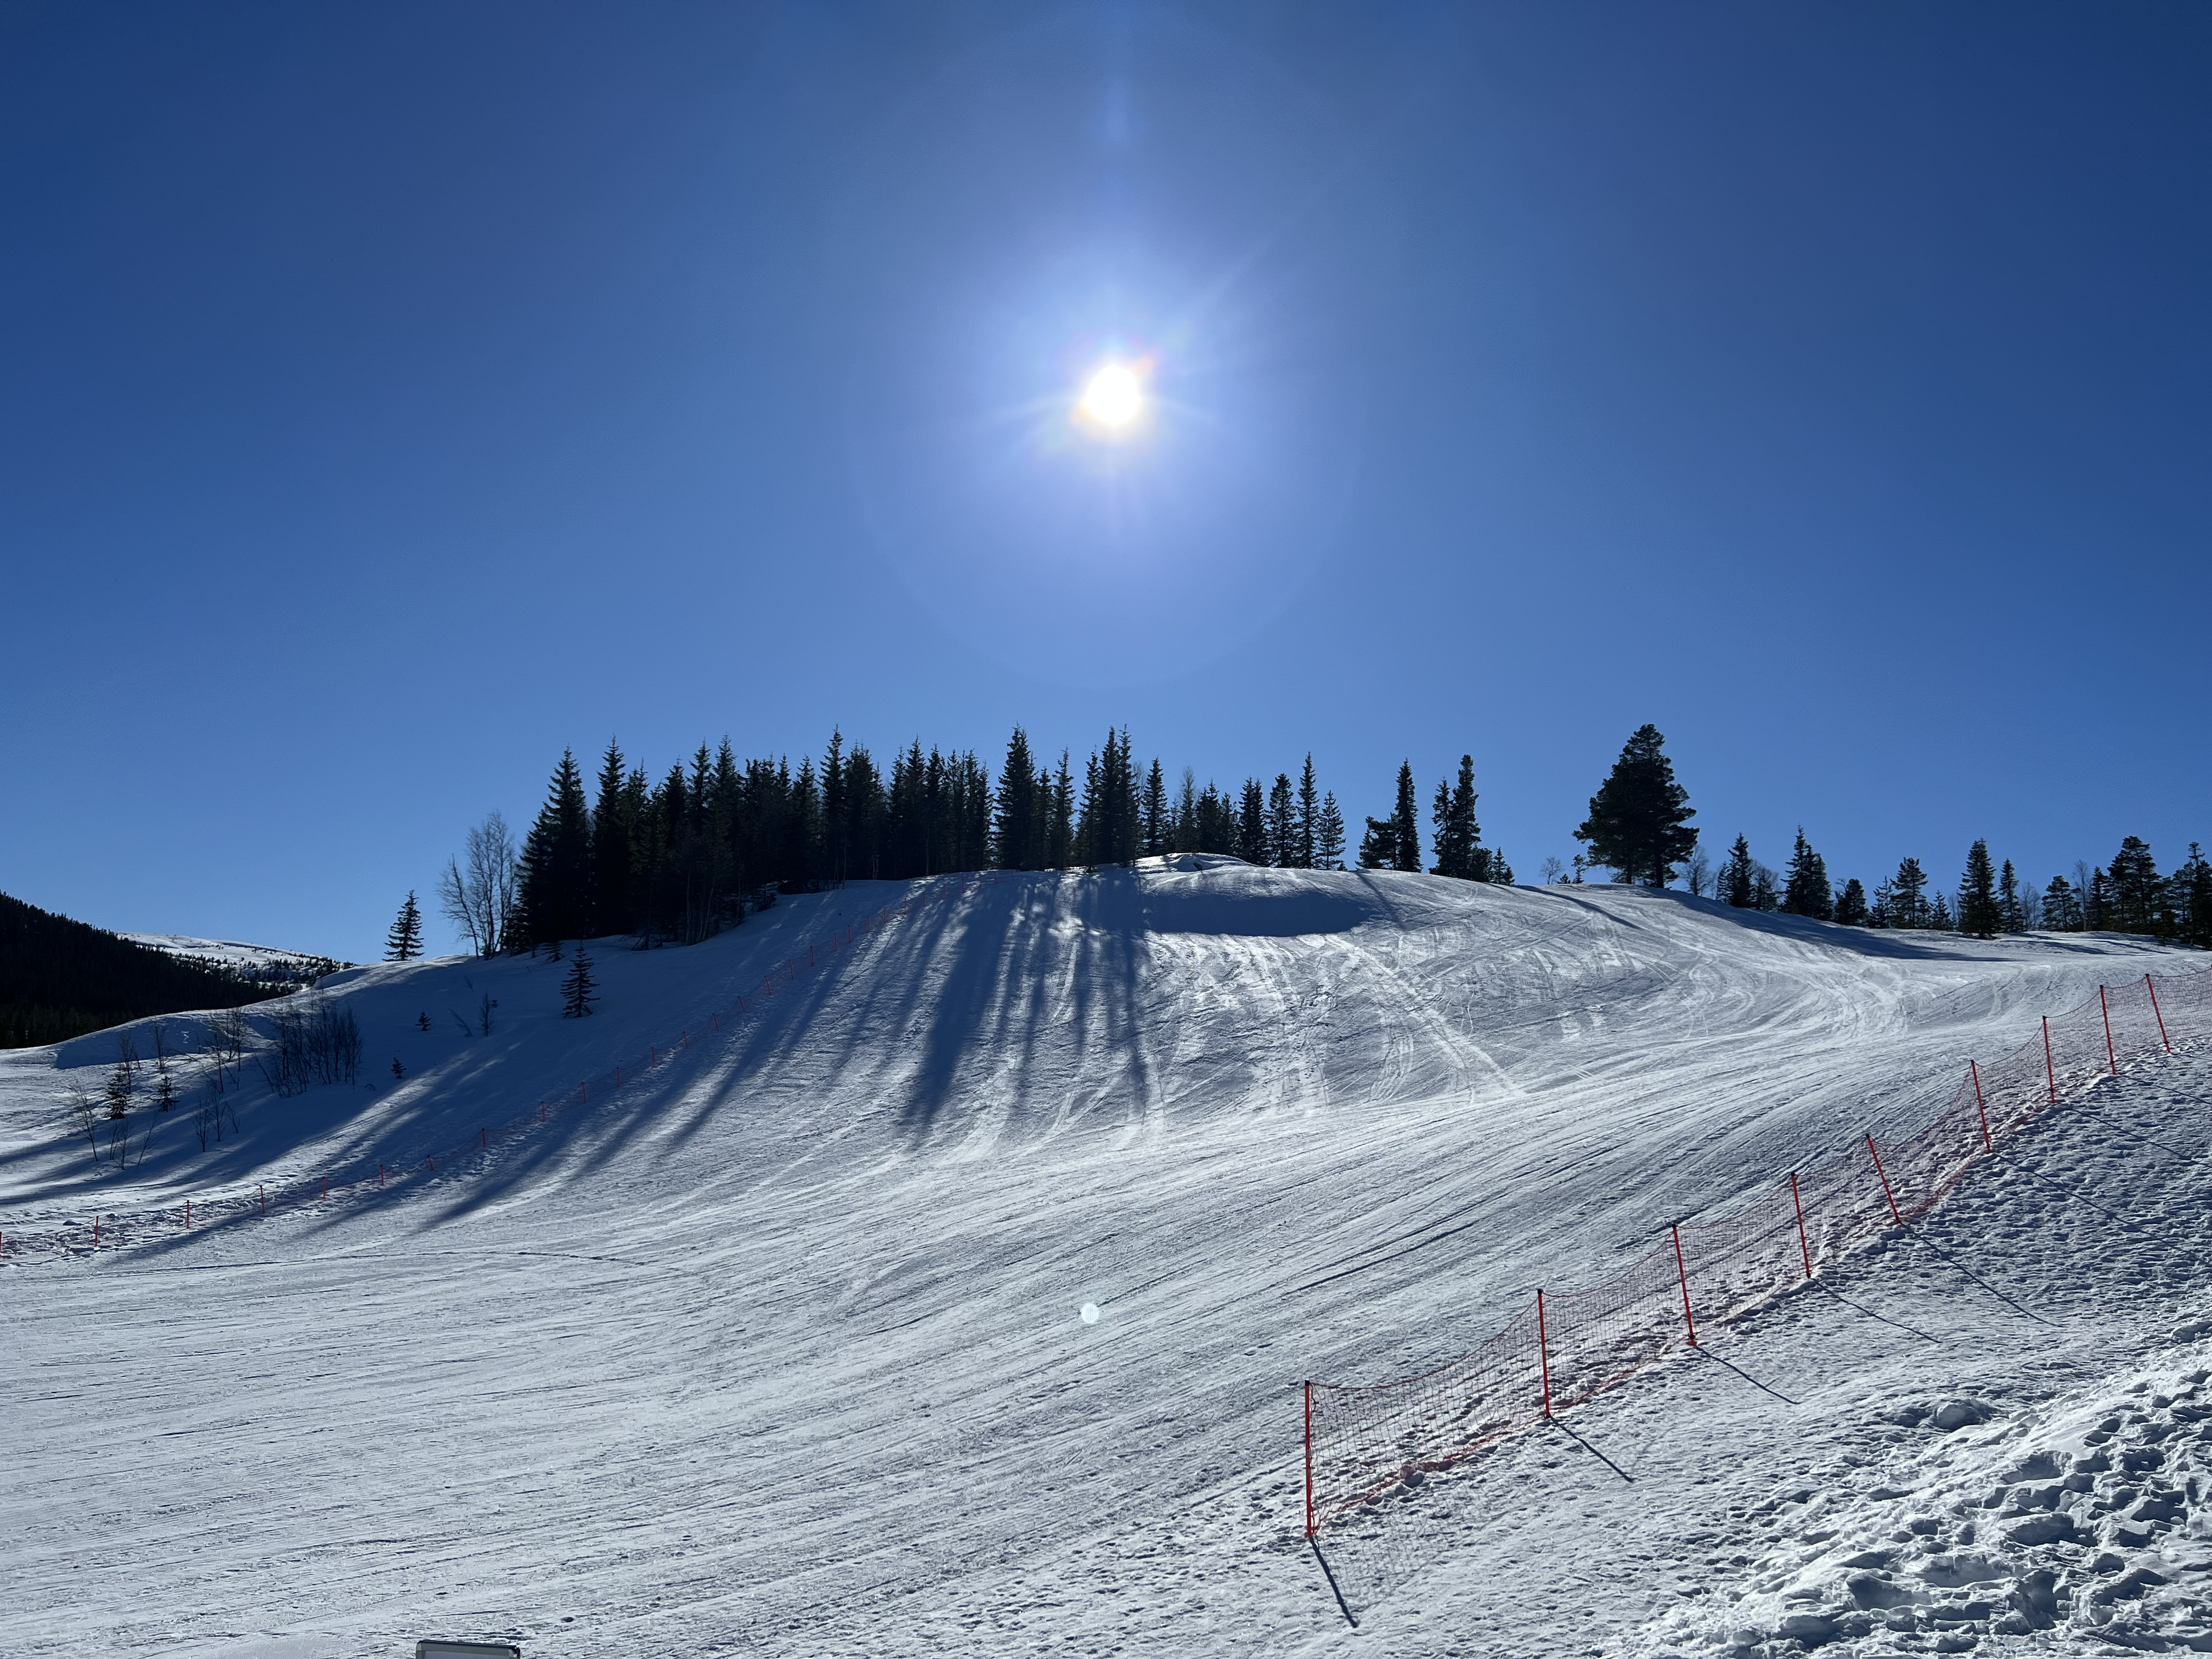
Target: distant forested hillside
x,y
59,979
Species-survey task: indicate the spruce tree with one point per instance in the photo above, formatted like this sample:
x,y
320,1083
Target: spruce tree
x,y
1252,823
2012,910
1328,835
1378,848
579,990
1852,904
1736,875
2137,903
1405,823
1158,830
1015,840
404,942
555,896
1459,836
2062,907
1806,893
1939,915
1638,823
1908,903
2192,899
612,908
1977,894
1059,835
1882,913
1309,834
1282,823
1186,837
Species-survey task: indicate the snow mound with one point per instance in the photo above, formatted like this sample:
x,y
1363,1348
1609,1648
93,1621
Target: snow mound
x,y
786,1345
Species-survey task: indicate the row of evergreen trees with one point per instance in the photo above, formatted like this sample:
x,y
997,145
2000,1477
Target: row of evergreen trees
x,y
2130,896
678,859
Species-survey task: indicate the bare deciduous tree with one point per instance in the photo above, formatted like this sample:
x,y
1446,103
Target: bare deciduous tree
x,y
477,890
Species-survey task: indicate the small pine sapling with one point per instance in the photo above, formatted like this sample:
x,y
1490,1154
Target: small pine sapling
x,y
423,1020
578,988
398,1071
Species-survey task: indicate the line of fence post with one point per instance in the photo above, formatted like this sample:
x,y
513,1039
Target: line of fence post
x,y
1974,1072
2160,1018
1310,1501
1683,1273
2110,1059
1543,1354
1895,1213
2050,1069
1798,1204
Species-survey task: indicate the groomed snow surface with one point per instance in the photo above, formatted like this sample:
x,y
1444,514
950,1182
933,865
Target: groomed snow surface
x,y
780,1349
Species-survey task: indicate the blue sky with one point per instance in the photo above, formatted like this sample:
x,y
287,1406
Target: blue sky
x,y
390,396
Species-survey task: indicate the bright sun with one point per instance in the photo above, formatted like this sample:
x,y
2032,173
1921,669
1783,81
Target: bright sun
x,y
1114,397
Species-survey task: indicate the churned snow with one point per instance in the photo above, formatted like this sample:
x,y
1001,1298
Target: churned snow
x,y
957,1298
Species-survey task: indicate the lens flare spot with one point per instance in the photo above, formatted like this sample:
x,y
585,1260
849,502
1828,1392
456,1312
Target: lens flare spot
x,y
1113,398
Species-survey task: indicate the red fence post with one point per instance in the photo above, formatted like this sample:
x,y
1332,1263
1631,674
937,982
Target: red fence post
x,y
1543,1358
2049,1070
1309,1507
2112,1059
1684,1274
1798,1204
1885,1192
188,1212
1975,1072
380,1175
484,1138
261,1193
95,1232
327,1186
2162,1037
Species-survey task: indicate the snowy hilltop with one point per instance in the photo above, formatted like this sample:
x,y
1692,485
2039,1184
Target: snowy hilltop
x,y
942,1271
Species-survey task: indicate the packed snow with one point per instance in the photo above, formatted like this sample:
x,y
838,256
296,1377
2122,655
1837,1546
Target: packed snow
x,y
957,1299
256,962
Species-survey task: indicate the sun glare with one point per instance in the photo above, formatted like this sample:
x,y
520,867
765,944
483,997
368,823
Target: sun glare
x,y
1114,399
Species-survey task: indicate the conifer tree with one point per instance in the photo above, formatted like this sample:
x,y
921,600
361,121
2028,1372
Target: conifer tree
x,y
1939,915
1186,837
1309,834
1405,823
1639,824
836,809
612,909
1015,827
1736,875
2062,907
1765,894
555,896
1977,894
1908,903
2012,910
1328,835
1282,823
1852,904
1252,823
579,990
2192,899
1158,828
1459,836
1806,892
2137,903
404,942
1378,848
1059,835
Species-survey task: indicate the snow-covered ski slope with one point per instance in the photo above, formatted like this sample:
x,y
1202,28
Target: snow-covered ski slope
x,y
782,1349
